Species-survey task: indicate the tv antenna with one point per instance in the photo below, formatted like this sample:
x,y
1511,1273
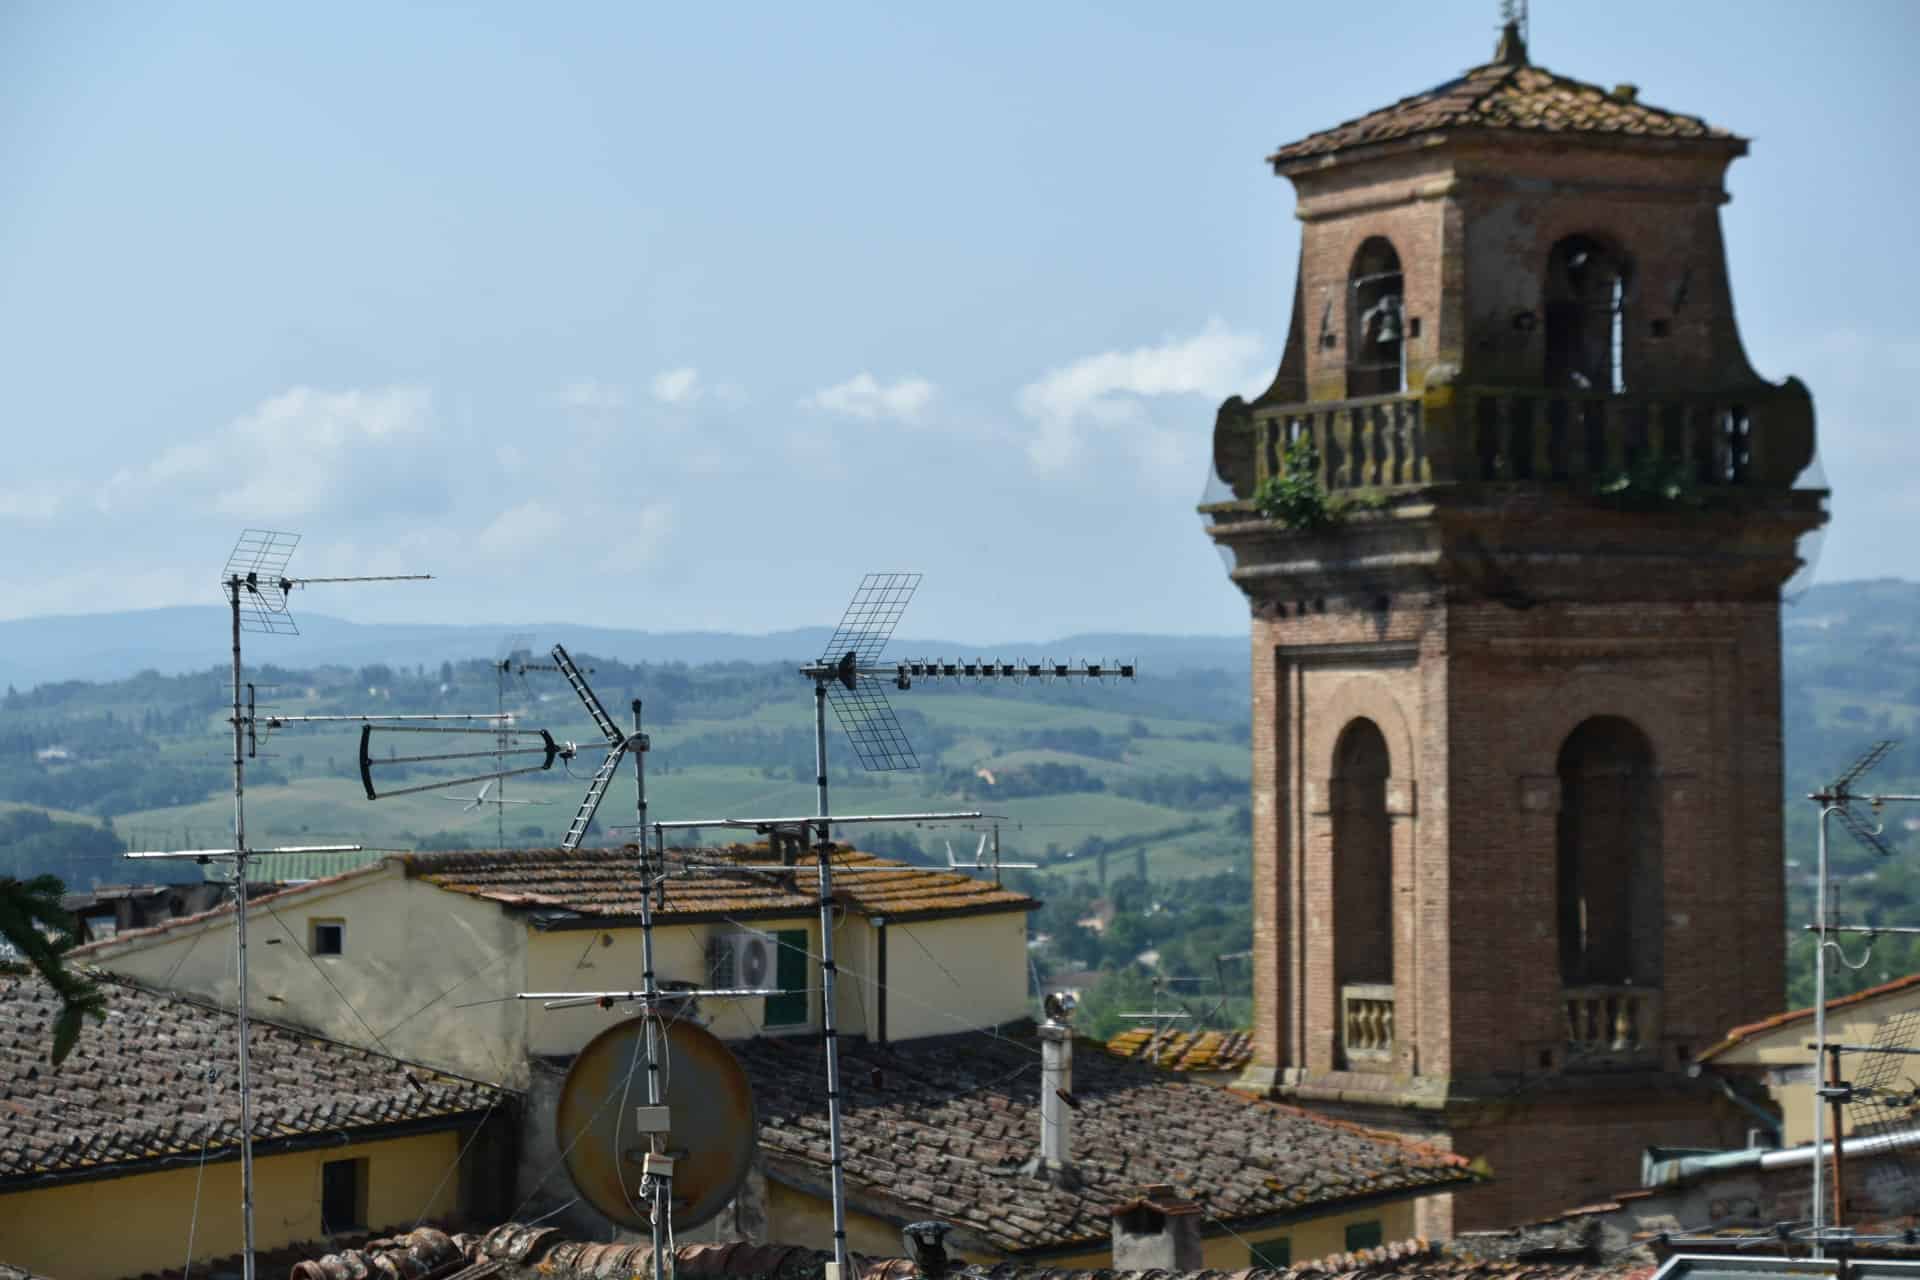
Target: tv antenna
x,y
712,1146
257,587
849,673
1887,1108
980,862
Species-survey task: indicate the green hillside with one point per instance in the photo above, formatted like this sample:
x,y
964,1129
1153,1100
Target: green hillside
x,y
1123,792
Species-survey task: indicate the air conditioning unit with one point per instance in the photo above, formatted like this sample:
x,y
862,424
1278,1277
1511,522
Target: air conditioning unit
x,y
742,960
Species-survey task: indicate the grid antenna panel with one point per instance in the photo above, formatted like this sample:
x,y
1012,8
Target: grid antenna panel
x,y
1873,756
872,727
1886,1100
259,560
872,615
1869,837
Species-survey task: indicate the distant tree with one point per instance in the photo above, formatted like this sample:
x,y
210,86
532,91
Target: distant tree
x,y
27,907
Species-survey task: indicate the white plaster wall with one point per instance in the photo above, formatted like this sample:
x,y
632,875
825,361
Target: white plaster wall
x,y
609,960
954,975
420,977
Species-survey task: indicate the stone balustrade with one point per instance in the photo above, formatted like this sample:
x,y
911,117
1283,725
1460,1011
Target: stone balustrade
x,y
1509,435
1366,1024
1611,1023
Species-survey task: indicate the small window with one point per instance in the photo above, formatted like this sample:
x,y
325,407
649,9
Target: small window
x,y
1363,1235
343,1196
789,1009
329,938
1271,1255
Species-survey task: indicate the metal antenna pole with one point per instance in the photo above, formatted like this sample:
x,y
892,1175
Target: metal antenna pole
x,y
240,941
1819,1027
657,1184
824,858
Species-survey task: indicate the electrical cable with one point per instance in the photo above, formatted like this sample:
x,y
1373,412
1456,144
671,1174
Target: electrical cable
x,y
193,1221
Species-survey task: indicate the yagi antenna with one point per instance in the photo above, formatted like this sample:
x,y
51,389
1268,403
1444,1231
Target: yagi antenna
x,y
507,744
619,743
850,675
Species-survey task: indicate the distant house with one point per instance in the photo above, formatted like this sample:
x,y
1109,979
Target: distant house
x,y
1214,1056
433,947
112,909
110,1165
1773,1054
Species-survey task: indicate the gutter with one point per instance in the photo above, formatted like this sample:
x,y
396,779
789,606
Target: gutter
x,y
187,1159
1683,1169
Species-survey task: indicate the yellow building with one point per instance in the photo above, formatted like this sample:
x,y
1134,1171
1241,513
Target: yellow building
x,y
125,1160
1774,1054
430,949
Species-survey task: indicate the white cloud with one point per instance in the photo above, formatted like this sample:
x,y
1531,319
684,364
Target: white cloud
x,y
866,397
1111,391
677,386
295,453
592,395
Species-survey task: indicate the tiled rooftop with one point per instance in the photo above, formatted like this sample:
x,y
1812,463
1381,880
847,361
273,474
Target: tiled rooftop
x,y
1185,1050
1506,94
708,883
939,1128
135,1087
515,1252
1740,1035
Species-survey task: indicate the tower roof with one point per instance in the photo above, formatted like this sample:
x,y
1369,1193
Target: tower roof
x,y
1507,93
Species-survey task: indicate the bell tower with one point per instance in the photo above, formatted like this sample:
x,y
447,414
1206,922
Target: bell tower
x,y
1512,521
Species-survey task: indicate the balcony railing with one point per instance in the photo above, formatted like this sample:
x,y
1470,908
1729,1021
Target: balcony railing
x,y
1497,435
1366,1024
1611,1023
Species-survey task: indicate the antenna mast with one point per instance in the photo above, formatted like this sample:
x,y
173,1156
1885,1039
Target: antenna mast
x,y
1837,800
848,673
256,587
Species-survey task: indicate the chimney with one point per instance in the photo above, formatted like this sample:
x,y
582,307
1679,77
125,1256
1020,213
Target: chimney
x,y
1055,1161
1156,1231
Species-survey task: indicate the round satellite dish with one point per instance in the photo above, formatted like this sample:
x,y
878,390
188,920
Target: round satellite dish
x,y
711,1127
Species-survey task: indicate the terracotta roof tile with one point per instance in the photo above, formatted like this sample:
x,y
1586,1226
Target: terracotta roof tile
x,y
1185,1050
939,1128
135,1087
708,883
515,1252
1506,96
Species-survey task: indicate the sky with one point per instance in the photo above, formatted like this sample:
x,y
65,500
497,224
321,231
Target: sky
x,y
682,317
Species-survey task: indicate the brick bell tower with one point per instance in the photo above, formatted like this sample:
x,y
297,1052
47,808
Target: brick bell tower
x,y
1513,519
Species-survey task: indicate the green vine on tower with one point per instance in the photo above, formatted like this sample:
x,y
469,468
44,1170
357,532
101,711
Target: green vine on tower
x,y
1296,498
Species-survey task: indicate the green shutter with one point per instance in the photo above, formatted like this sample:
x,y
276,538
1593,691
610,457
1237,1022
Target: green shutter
x,y
1363,1235
791,971
1271,1255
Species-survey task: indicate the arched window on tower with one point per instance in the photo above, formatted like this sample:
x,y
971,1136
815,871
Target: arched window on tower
x,y
1587,284
1609,882
1363,894
1376,322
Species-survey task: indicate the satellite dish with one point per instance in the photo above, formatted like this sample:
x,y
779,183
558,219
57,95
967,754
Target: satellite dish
x,y
711,1132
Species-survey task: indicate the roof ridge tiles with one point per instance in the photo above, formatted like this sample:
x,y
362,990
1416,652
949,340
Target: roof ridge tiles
x,y
1508,96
